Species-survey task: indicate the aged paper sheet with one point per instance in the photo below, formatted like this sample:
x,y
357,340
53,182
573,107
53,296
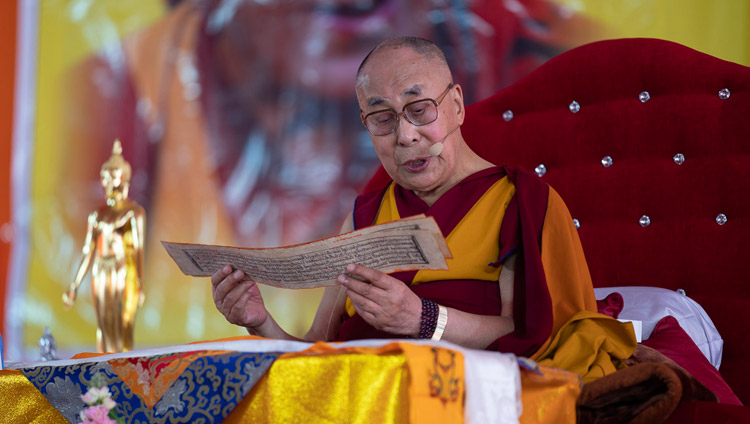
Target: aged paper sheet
x,y
407,244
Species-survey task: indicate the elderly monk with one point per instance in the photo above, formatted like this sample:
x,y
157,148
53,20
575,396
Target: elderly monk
x,y
517,282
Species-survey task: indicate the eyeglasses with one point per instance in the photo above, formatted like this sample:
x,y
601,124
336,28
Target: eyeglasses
x,y
419,112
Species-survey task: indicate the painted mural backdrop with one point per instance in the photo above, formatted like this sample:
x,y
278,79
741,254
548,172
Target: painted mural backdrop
x,y
240,122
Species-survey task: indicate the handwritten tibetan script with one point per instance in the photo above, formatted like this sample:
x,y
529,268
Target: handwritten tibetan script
x,y
408,244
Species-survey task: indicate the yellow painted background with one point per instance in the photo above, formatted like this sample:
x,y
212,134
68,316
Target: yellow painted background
x,y
720,28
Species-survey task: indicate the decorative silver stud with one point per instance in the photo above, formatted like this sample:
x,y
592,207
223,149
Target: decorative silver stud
x,y
607,161
574,107
721,219
681,291
507,115
679,158
724,93
645,221
576,223
644,96
540,169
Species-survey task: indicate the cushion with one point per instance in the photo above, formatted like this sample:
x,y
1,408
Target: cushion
x,y
651,304
671,340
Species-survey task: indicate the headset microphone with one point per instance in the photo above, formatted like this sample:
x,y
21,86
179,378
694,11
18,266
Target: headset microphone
x,y
437,148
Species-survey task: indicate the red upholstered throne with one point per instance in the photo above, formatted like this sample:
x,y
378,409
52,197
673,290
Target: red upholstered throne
x,y
648,143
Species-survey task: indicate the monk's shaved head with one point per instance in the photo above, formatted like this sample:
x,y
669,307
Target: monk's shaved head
x,y
425,48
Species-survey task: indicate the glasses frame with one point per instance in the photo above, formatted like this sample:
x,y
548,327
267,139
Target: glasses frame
x,y
436,102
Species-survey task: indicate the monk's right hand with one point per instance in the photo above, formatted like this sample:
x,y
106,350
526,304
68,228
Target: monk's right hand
x,y
238,298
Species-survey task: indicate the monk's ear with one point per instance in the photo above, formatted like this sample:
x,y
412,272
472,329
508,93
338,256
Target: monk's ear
x,y
458,102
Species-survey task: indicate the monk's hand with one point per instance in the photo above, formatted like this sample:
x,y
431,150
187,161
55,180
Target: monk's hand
x,y
383,301
238,298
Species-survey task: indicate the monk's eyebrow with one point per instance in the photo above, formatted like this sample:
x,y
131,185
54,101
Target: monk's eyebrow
x,y
374,101
412,91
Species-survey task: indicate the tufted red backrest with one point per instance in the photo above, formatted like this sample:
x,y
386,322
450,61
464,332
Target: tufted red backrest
x,y
684,246
685,112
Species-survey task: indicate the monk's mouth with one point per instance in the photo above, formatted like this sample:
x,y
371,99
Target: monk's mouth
x,y
416,165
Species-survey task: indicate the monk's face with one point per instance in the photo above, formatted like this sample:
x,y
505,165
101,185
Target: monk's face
x,y
394,77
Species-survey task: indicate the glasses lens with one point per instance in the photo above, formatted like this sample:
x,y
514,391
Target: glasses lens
x,y
422,112
382,123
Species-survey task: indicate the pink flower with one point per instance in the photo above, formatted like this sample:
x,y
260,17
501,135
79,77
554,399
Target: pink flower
x,y
98,414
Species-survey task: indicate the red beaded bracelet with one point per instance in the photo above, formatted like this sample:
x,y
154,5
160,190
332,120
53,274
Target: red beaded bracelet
x,y
430,312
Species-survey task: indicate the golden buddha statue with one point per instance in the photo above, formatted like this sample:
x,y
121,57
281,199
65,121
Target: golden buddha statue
x,y
114,248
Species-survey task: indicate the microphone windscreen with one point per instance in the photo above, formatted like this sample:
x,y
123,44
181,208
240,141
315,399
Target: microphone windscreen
x,y
436,149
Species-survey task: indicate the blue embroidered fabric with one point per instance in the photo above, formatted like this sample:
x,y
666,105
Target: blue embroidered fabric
x,y
207,390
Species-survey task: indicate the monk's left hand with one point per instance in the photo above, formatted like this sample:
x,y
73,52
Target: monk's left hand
x,y
383,301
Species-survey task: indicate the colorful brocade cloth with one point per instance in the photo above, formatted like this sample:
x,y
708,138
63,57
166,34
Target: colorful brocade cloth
x,y
307,383
179,387
390,382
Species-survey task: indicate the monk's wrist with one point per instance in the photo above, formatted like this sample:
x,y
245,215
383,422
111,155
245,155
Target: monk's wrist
x,y
428,319
263,329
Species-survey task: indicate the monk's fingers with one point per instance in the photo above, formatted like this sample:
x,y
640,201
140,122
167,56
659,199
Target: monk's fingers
x,y
362,288
242,289
221,274
376,278
364,306
234,306
227,285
